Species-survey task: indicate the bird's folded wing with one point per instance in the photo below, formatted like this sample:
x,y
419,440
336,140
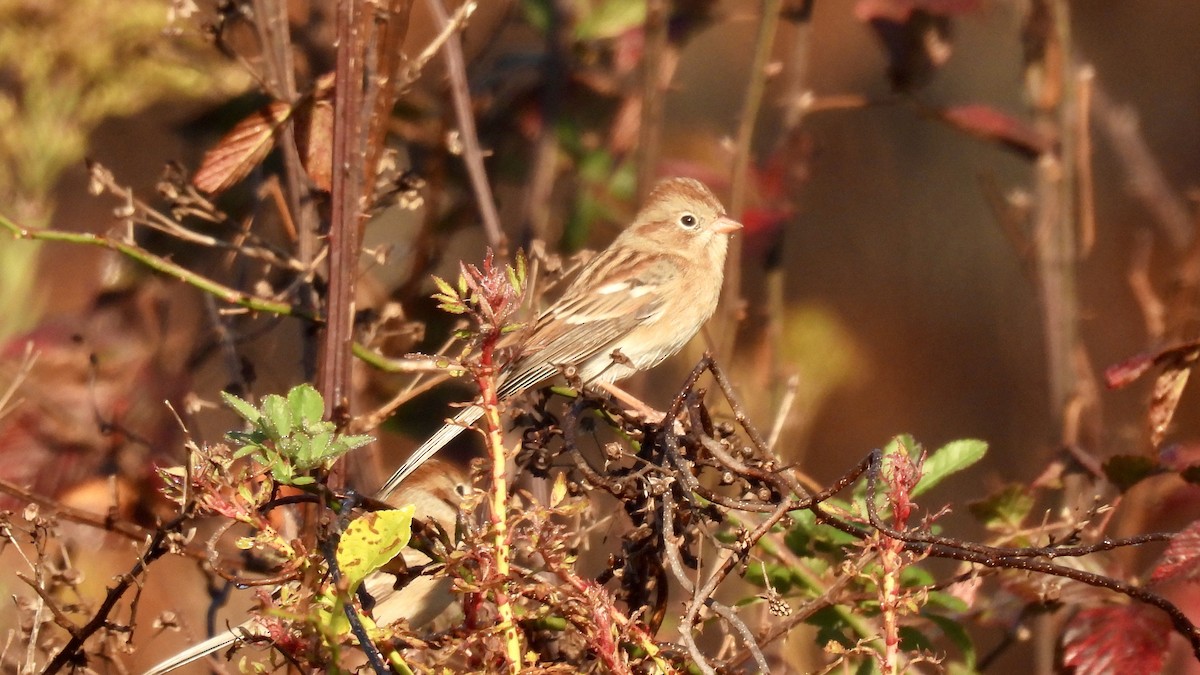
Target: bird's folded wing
x,y
588,320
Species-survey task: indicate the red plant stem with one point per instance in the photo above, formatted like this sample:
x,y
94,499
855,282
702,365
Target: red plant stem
x,y
498,511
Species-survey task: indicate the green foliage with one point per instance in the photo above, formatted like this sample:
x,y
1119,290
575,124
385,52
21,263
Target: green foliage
x,y
595,19
371,541
289,436
818,553
1004,511
949,460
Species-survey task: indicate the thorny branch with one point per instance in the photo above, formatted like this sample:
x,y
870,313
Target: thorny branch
x,y
664,484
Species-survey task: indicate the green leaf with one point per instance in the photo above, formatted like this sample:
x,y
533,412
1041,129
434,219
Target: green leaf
x,y
537,13
948,602
831,627
371,541
611,18
242,408
868,666
912,576
807,537
276,417
948,460
958,635
320,448
446,289
780,576
306,404
346,443
913,640
1005,510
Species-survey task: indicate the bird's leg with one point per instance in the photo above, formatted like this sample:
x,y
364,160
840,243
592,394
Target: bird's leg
x,y
630,401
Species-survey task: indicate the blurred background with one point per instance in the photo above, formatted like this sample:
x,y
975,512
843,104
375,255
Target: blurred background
x,y
884,291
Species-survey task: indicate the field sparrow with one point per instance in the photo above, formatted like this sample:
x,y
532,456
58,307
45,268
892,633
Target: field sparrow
x,y
435,491
632,306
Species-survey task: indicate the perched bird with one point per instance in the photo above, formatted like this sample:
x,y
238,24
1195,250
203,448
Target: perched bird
x,y
435,491
633,305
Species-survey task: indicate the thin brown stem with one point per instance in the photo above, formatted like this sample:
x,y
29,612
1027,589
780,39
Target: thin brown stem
x,y
469,137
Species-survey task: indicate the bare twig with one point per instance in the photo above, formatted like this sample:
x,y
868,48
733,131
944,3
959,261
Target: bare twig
x,y
1145,178
159,545
18,378
655,78
731,292
472,151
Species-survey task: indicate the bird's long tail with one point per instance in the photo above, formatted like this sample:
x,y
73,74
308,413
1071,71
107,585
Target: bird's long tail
x,y
202,649
435,442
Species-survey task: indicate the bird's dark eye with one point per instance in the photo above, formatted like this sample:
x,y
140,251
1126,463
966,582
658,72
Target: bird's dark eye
x,y
687,220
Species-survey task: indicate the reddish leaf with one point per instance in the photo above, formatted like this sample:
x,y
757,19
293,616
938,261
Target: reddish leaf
x,y
1130,639
240,150
983,121
1121,374
1181,560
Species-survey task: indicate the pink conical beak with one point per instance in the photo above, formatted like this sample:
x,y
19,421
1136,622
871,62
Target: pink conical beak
x,y
726,225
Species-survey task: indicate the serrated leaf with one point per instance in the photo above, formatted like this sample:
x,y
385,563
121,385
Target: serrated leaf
x,y
371,541
1191,474
1181,560
276,416
1126,639
242,408
949,460
446,289
1005,510
559,490
356,441
1125,471
320,448
454,308
306,404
